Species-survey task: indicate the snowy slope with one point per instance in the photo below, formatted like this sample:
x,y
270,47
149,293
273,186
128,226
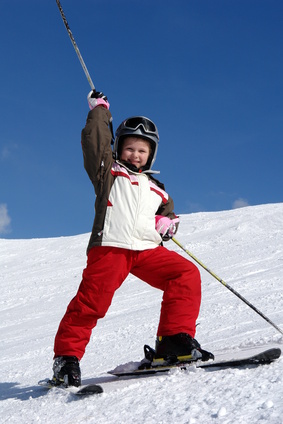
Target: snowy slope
x,y
38,278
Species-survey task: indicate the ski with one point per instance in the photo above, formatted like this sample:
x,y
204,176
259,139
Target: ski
x,y
85,390
253,357
249,358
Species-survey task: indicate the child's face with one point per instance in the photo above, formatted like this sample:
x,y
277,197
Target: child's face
x,y
135,151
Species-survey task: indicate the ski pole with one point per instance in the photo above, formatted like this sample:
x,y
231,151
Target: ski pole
x,y
227,285
81,59
75,45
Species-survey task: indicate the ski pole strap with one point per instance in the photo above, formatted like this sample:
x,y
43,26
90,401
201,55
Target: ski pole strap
x,y
227,285
112,131
75,45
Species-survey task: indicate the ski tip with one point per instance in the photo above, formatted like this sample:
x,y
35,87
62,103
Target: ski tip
x,y
87,390
45,383
90,389
273,353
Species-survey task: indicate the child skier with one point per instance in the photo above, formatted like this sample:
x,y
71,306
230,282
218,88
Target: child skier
x,y
133,215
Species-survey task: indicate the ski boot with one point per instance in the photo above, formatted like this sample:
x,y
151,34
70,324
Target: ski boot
x,y
180,347
66,371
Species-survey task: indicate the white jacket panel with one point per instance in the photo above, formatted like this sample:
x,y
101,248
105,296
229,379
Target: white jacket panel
x,y
130,215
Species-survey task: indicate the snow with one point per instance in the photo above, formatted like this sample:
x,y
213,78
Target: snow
x,y
38,278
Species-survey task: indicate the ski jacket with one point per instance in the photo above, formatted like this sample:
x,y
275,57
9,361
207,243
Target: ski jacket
x,y
126,201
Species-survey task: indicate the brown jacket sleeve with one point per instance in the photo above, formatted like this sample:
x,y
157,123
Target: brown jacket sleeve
x,y
96,145
166,209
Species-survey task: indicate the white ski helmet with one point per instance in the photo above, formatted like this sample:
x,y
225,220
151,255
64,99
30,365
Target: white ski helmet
x,y
137,126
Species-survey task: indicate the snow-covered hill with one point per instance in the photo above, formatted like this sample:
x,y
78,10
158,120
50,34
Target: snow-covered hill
x,y
38,278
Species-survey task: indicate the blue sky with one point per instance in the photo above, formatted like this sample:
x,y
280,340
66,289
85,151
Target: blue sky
x,y
209,73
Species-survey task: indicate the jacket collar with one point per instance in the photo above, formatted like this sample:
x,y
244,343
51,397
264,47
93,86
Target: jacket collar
x,y
135,170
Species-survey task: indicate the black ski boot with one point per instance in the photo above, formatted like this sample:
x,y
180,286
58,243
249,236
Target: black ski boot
x,y
66,371
178,347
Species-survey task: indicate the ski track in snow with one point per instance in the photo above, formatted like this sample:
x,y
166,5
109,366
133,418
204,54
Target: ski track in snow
x,y
39,277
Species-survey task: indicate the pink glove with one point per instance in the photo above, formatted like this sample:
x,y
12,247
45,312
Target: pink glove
x,y
165,226
96,98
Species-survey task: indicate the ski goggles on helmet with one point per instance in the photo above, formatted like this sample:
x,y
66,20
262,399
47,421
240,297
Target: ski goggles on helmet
x,y
147,125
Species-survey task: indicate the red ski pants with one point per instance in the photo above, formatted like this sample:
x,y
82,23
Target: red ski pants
x,y
107,268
